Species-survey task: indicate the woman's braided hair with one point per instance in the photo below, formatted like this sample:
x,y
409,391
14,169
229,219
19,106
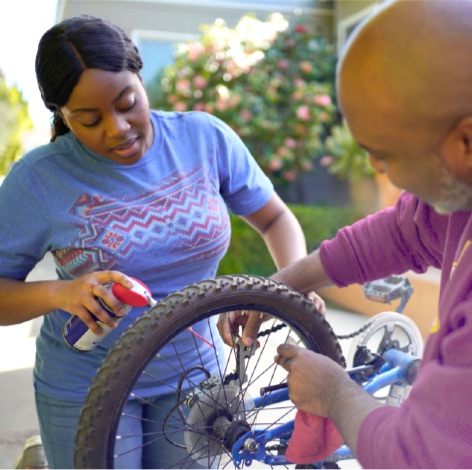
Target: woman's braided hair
x,y
69,48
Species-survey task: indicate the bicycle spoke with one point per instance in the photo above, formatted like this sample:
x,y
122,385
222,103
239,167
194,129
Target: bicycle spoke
x,y
212,390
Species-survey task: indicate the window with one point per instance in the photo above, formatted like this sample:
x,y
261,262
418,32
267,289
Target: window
x,y
156,49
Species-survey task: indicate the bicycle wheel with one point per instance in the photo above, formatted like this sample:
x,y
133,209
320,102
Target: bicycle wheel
x,y
389,330
215,387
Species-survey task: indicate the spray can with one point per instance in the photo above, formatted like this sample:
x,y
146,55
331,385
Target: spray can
x,y
79,336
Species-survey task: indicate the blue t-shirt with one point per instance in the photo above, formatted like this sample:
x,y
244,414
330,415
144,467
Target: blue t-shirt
x,y
163,220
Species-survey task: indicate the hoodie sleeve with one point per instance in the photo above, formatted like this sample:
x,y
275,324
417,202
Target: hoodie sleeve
x,y
407,236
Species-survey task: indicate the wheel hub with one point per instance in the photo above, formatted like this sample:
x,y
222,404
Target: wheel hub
x,y
216,421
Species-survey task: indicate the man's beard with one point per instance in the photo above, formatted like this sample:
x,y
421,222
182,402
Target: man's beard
x,y
454,194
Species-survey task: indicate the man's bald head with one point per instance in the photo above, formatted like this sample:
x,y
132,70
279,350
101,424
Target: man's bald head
x,y
404,84
412,59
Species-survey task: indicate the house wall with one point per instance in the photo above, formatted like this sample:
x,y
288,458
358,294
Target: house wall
x,y
348,14
186,16
156,26
347,8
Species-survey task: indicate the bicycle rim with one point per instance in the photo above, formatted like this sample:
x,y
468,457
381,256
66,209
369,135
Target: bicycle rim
x,y
213,404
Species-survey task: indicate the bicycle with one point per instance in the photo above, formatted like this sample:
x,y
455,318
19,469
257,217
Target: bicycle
x,y
233,410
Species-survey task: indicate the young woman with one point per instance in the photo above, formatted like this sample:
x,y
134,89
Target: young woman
x,y
119,191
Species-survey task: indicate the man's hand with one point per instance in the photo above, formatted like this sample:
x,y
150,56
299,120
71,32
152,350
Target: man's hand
x,y
313,379
320,386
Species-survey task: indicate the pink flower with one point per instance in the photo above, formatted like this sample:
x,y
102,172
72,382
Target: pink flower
x,y
306,67
290,43
199,82
245,114
307,166
234,101
180,106
322,100
283,64
282,151
183,72
326,160
301,28
221,105
275,165
303,113
290,143
199,106
194,51
182,85
289,175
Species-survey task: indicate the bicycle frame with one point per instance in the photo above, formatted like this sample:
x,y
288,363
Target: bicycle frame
x,y
399,369
241,412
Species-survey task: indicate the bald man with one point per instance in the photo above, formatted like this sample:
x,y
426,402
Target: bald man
x,y
404,84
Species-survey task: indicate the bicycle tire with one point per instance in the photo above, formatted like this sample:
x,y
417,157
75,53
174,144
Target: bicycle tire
x,y
160,325
389,330
403,333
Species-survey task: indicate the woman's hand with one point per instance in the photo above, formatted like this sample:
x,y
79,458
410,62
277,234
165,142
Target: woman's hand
x,y
80,297
229,323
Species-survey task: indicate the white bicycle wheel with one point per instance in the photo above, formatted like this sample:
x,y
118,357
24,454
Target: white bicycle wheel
x,y
388,330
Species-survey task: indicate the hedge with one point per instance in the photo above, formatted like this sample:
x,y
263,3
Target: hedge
x,y
248,254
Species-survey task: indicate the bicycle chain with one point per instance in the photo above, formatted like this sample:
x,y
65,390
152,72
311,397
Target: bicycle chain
x,y
235,376
349,336
355,333
271,330
277,448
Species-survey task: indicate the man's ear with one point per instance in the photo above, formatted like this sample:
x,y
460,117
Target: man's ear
x,y
457,149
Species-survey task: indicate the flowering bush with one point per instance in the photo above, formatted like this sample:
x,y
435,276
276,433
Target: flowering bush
x,y
345,158
272,83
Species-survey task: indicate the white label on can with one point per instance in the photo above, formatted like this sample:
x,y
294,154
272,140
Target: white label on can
x,y
89,339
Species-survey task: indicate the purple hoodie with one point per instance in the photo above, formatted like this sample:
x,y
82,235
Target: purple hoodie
x,y
432,428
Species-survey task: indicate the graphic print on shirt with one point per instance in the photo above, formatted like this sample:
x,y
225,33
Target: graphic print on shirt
x,y
181,219
461,254
466,245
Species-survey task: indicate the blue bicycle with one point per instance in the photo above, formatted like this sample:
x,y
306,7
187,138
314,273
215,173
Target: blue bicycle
x,y
231,405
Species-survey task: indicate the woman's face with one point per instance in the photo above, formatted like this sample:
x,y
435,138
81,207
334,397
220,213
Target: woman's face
x,y
109,113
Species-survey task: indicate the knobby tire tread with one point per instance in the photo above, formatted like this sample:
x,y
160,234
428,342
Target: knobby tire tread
x,y
139,343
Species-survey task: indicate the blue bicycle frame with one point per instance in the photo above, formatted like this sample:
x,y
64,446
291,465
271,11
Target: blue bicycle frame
x,y
399,369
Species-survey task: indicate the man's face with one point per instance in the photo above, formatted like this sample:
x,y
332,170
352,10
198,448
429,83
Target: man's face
x,y
408,152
